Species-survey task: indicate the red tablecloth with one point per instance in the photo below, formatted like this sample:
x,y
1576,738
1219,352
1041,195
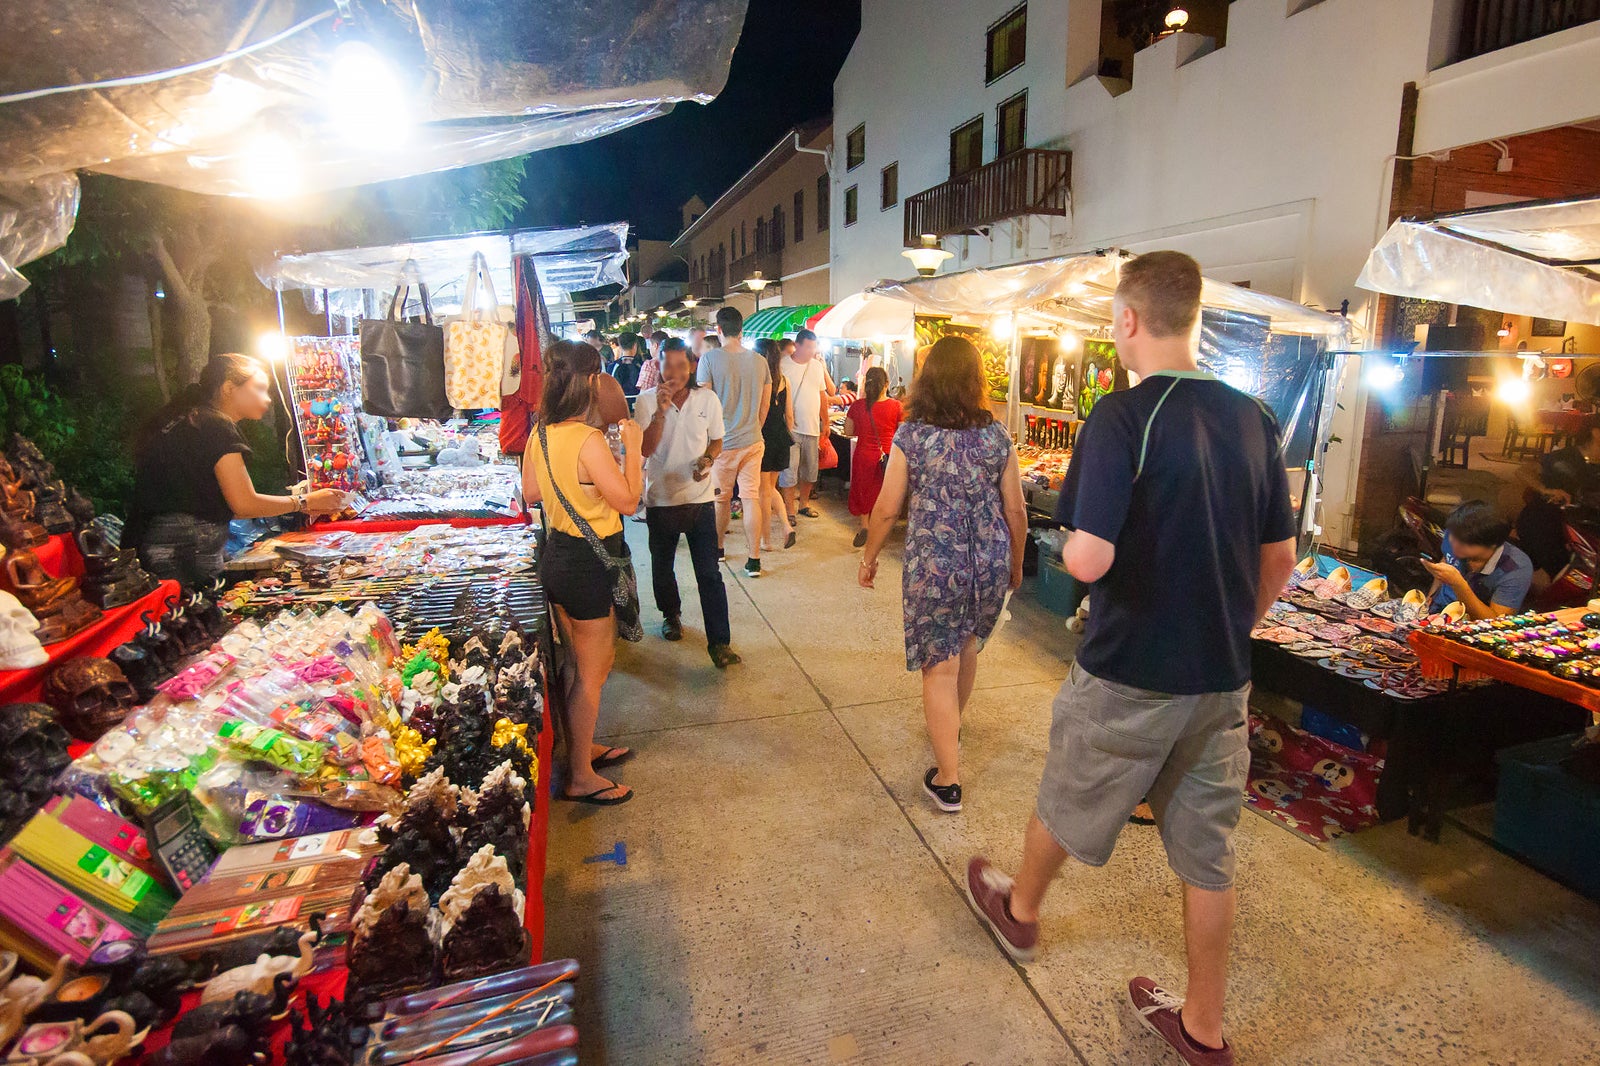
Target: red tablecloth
x,y
116,626
1442,657
59,556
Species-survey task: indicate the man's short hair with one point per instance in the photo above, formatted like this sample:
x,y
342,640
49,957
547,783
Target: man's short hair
x,y
1163,288
801,336
785,344
593,335
1477,523
730,323
659,335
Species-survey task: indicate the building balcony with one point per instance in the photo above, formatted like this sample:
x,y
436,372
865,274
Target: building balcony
x,y
1034,181
1490,25
708,288
769,263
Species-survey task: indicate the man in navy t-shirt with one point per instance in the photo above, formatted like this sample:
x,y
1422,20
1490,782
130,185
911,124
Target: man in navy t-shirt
x,y
1179,502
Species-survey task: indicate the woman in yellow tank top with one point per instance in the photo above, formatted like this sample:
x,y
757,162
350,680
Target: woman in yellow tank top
x,y
580,465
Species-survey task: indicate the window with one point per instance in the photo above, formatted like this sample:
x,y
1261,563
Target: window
x,y
966,148
761,235
855,147
799,216
744,249
850,206
889,187
777,230
1011,126
1008,45
824,206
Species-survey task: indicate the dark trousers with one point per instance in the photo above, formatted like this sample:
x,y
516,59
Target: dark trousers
x,y
697,521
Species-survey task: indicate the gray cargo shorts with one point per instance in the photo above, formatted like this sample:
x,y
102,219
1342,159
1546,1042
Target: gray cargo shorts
x,y
1113,745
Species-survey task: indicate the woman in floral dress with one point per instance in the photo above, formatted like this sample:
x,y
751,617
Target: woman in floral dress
x,y
963,546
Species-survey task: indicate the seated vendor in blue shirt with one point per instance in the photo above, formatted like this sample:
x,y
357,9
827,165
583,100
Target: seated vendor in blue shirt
x,y
1481,569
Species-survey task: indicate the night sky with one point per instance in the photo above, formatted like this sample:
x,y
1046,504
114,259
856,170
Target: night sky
x,y
782,75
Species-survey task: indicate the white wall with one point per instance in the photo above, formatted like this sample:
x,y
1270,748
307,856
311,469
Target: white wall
x,y
1267,159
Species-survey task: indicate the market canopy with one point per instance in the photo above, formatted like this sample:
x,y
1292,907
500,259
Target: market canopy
x,y
781,321
258,98
1076,290
865,315
1534,259
568,260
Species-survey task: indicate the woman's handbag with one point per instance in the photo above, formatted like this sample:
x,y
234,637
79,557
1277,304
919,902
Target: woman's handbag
x,y
827,454
402,363
877,438
475,349
619,568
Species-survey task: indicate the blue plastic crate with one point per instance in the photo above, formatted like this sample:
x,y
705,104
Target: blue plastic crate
x,y
1548,817
1059,591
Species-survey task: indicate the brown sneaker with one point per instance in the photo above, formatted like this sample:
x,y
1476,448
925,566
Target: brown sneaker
x,y
990,892
1157,1010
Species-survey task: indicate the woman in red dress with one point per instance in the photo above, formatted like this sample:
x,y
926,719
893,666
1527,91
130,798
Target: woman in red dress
x,y
872,421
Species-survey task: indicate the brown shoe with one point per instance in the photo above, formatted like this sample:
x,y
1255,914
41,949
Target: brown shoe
x,y
1159,1011
990,893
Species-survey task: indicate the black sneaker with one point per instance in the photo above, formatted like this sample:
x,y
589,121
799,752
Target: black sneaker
x,y
672,629
861,539
946,797
723,656
719,555
752,568
788,542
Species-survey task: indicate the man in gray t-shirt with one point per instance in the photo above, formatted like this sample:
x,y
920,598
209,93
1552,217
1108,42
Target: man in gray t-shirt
x,y
743,382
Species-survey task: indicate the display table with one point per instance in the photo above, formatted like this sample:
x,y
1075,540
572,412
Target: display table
x,y
402,525
116,626
1442,657
1432,742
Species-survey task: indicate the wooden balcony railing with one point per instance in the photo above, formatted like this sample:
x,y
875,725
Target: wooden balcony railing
x,y
1489,25
708,288
1034,181
769,263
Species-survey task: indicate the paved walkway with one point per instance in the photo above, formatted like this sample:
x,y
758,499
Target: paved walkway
x,y
790,896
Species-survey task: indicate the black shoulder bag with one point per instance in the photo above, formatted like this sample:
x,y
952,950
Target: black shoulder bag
x,y
624,585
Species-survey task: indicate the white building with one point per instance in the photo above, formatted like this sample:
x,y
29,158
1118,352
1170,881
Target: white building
x,y
1261,139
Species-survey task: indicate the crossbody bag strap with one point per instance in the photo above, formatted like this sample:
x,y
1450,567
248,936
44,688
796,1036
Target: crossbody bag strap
x,y
877,435
584,527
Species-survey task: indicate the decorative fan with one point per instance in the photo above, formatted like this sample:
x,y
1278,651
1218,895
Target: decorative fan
x,y
1588,383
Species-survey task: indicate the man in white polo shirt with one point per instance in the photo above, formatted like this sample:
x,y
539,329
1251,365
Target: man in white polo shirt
x,y
683,434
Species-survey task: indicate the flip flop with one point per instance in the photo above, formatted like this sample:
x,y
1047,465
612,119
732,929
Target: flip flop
x,y
610,757
594,800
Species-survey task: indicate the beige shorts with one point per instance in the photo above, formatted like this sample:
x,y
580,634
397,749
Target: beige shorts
x,y
741,466
1112,746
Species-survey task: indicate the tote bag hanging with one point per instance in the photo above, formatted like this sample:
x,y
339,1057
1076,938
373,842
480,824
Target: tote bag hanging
x,y
475,346
402,363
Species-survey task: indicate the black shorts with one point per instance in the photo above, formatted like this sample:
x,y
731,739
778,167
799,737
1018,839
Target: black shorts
x,y
573,576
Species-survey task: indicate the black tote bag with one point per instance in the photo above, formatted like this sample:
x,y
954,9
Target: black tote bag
x,y
402,363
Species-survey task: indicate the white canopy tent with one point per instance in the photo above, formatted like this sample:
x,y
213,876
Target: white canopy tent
x,y
1535,259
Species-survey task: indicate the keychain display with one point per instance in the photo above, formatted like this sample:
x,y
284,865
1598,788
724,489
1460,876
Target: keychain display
x,y
325,384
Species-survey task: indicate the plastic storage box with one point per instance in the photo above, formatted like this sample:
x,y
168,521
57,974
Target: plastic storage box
x,y
1058,591
1547,816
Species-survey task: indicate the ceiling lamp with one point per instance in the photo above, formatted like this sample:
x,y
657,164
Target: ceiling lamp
x,y
1177,19
755,282
927,256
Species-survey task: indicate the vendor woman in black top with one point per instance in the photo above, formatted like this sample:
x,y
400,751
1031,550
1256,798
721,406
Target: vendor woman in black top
x,y
190,478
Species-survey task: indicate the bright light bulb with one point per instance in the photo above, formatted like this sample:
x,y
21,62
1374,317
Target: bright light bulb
x,y
1002,328
1513,391
272,346
365,97
1385,376
1070,341
271,167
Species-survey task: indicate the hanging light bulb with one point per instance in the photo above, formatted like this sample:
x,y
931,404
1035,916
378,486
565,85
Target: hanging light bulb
x,y
365,97
271,167
1002,327
927,256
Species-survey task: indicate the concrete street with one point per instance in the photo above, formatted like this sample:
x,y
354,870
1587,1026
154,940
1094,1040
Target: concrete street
x,y
791,896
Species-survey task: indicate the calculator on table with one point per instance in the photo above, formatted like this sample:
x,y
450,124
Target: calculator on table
x,y
179,844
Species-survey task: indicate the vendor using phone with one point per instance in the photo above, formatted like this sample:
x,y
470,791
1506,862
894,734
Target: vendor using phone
x,y
1489,575
189,477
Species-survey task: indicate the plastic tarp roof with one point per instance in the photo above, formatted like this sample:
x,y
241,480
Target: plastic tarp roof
x,y
1076,290
486,80
568,260
1523,259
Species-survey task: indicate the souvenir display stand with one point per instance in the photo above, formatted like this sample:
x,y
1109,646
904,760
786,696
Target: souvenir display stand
x,y
1442,655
